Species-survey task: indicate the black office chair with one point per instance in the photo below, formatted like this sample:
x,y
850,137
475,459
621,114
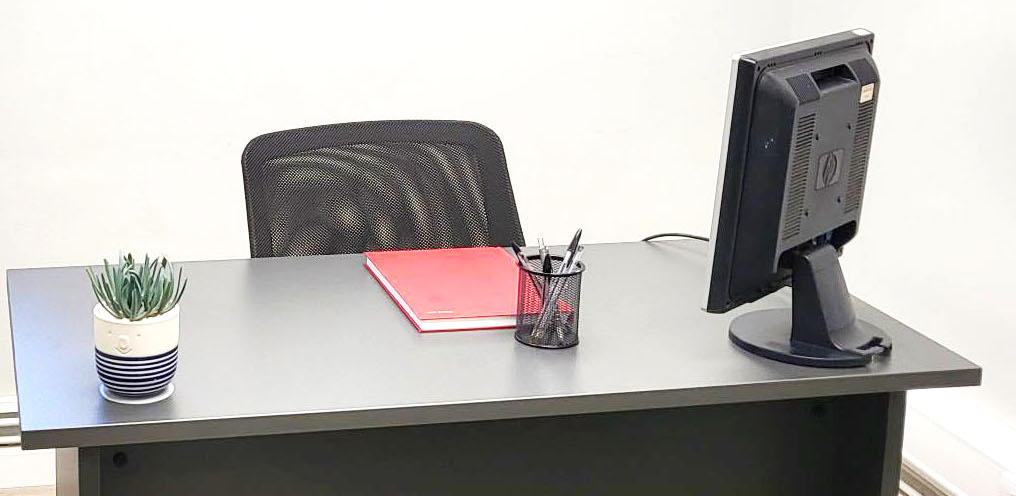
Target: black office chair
x,y
385,185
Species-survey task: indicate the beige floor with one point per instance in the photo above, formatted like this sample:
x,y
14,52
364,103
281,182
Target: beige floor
x,y
29,491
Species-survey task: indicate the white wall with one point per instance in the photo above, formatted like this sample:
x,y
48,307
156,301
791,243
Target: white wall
x,y
121,127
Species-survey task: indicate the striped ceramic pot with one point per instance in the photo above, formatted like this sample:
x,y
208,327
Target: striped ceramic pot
x,y
136,360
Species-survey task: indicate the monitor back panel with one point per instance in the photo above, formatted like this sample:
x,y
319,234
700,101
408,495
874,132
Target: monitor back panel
x,y
796,165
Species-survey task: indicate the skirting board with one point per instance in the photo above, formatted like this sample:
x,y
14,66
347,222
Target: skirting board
x,y
27,468
957,447
917,480
23,468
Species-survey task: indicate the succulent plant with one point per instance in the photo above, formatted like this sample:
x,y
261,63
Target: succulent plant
x,y
135,291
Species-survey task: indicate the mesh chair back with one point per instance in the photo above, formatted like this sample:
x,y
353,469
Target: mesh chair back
x,y
386,185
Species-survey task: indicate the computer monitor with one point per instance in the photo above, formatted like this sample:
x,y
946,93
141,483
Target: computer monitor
x,y
794,160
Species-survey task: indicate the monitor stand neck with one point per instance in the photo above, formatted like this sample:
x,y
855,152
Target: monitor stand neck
x,y
821,328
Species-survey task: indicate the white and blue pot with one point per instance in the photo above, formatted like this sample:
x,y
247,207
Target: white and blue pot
x,y
136,361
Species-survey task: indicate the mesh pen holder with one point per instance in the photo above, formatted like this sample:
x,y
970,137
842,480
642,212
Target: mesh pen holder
x,y
548,306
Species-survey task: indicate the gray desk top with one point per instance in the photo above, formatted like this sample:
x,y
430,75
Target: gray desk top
x,y
287,345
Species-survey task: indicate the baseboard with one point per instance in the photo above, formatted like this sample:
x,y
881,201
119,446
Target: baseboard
x,y
20,468
916,479
8,404
956,449
27,468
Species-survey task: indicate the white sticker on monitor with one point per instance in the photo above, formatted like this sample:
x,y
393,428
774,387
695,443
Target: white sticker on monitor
x,y
867,92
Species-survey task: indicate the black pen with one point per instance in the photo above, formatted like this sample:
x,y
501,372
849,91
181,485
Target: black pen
x,y
570,252
518,254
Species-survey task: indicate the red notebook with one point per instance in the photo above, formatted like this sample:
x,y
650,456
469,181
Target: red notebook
x,y
453,289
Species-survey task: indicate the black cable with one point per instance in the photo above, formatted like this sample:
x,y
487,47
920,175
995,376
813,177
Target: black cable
x,y
676,235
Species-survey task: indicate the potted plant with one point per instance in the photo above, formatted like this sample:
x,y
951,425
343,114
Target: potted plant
x,y
136,325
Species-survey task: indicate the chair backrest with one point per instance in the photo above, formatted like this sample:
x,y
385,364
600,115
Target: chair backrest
x,y
384,185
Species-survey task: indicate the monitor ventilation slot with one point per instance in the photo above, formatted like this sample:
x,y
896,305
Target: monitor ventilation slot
x,y
798,182
859,156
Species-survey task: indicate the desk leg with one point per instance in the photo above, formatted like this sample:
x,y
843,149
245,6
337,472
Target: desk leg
x,y
77,471
892,456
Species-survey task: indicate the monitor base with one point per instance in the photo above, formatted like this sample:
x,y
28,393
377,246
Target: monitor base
x,y
767,333
820,329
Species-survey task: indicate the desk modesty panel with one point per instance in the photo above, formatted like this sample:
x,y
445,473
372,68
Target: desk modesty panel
x,y
291,345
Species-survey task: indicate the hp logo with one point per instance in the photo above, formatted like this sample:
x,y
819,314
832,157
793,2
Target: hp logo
x,y
829,167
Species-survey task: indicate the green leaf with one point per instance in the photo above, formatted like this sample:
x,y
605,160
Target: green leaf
x,y
113,307
109,273
166,298
137,290
179,295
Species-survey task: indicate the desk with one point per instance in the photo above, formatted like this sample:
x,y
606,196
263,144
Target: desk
x,y
301,376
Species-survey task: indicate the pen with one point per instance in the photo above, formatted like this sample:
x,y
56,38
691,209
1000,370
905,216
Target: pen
x,y
547,265
570,252
524,264
518,254
574,261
